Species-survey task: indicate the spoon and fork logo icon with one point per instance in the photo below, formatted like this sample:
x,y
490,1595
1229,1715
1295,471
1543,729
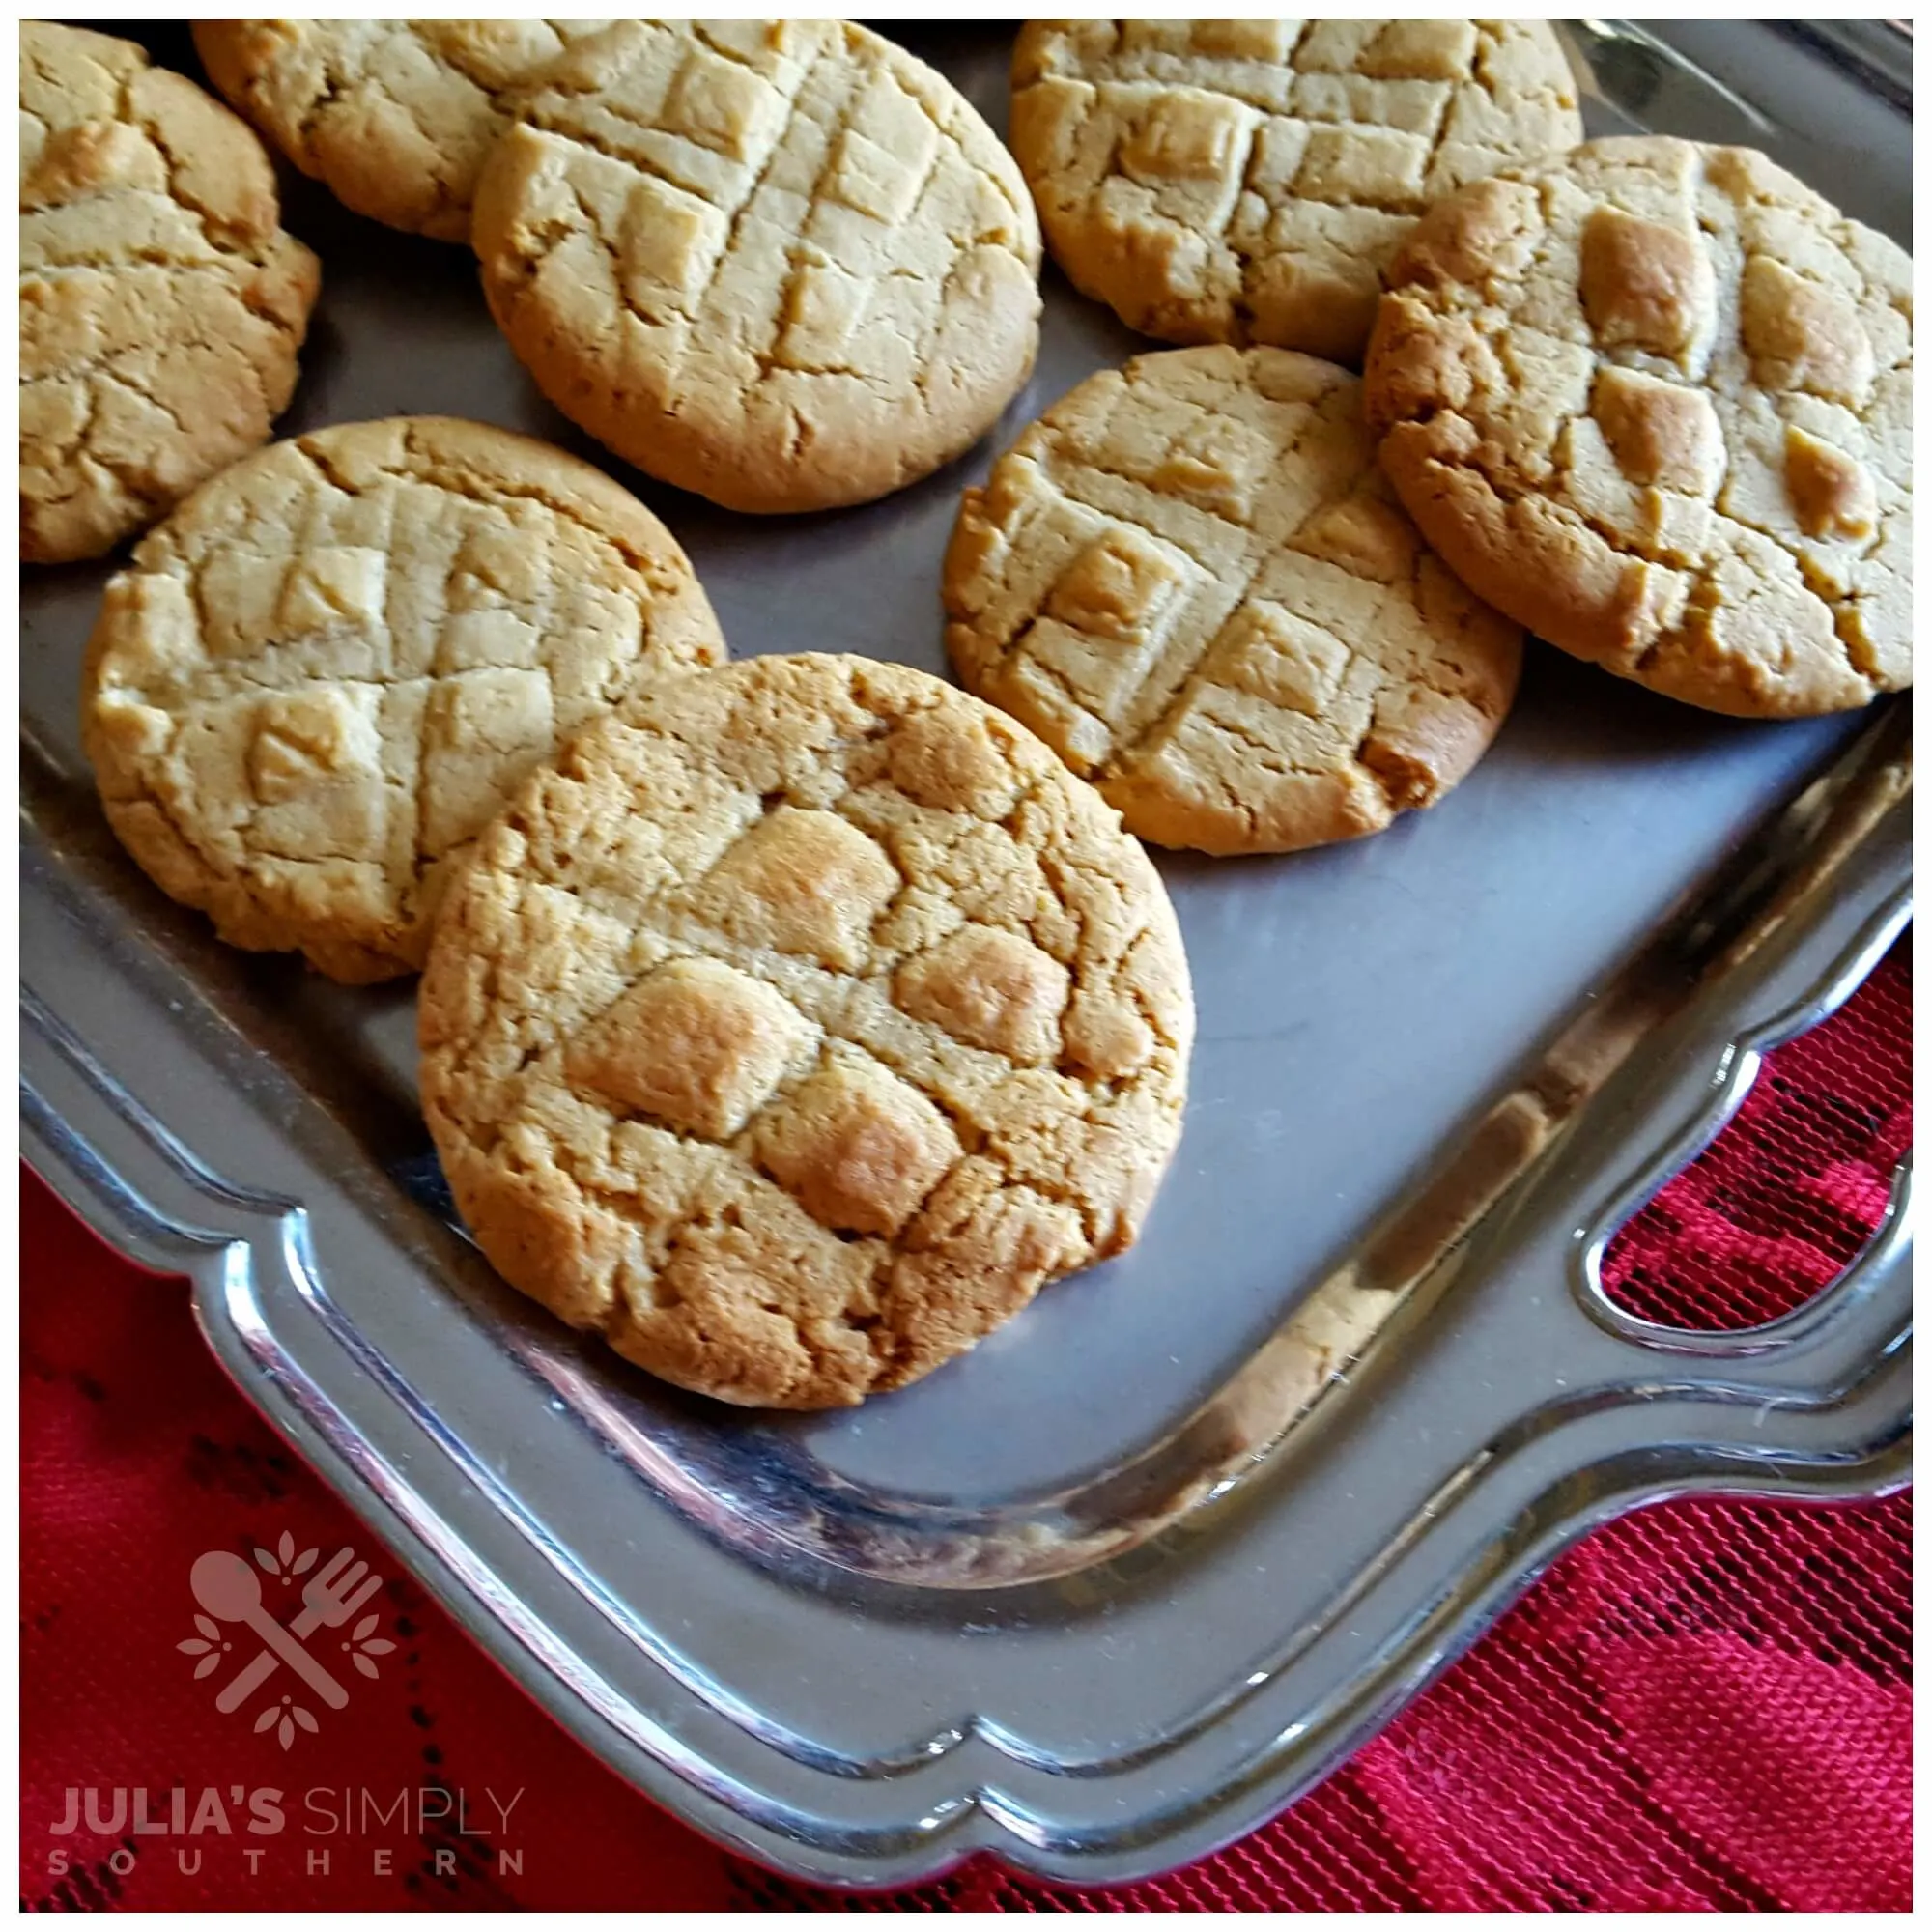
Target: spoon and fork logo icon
x,y
230,1594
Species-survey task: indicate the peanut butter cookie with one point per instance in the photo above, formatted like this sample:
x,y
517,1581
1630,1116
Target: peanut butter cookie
x,y
323,676
1654,400
1247,180
800,1023
1191,580
163,305
779,262
394,117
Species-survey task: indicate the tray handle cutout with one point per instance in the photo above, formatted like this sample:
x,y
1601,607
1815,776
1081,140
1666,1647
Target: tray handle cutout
x,y
1700,1095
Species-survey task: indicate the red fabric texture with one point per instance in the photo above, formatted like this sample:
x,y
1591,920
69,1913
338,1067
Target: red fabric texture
x,y
1705,1706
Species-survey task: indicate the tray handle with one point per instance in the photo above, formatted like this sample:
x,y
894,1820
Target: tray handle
x,y
1675,1103
1714,1090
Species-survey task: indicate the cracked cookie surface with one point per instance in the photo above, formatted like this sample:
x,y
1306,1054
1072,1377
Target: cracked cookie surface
x,y
1191,580
779,262
163,305
1656,402
1247,180
327,670
395,117
798,1025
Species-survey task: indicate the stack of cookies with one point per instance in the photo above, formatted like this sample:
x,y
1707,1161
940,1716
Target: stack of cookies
x,y
790,1023
782,264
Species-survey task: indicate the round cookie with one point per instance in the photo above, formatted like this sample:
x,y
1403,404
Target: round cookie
x,y
779,262
1191,580
394,116
325,673
1247,180
798,1025
163,305
1654,400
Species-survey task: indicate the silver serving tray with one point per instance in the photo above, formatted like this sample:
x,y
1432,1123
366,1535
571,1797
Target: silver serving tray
x,y
1152,1560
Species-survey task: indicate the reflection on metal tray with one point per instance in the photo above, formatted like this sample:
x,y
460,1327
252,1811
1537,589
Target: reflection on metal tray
x,y
1149,1561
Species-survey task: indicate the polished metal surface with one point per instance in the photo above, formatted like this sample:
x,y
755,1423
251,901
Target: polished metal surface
x,y
1152,1560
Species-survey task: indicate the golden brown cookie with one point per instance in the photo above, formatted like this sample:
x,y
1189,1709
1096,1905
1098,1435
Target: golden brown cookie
x,y
161,304
1191,580
800,1023
324,674
1247,180
1656,401
779,262
394,116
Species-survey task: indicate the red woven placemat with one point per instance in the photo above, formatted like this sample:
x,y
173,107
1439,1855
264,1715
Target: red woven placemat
x,y
1705,1705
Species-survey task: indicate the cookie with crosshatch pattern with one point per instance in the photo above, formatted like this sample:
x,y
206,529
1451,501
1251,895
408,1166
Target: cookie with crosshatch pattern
x,y
1654,399
162,304
798,1025
396,117
1191,580
324,674
781,263
1247,180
